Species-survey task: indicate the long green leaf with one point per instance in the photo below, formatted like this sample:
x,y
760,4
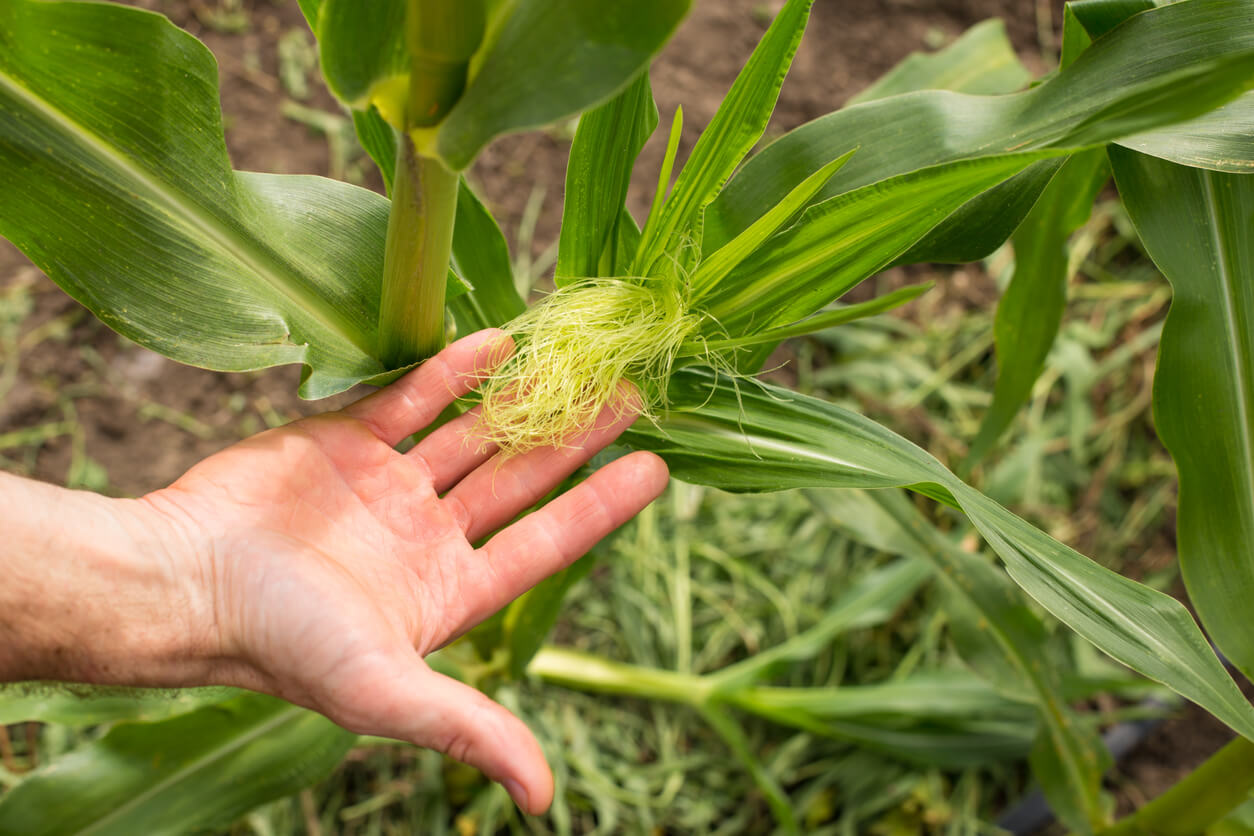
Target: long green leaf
x,y
1030,311
1204,386
1218,140
1164,66
310,9
82,705
717,265
981,225
1101,16
551,59
361,45
982,62
481,256
821,321
842,240
598,173
766,438
737,126
117,184
838,243
189,773
378,139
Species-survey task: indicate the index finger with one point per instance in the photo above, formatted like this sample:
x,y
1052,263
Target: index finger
x,y
553,537
411,403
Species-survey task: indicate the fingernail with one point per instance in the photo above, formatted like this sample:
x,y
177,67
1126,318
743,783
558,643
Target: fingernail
x,y
517,793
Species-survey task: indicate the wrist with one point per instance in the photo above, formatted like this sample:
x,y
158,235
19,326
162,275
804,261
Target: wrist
x,y
98,590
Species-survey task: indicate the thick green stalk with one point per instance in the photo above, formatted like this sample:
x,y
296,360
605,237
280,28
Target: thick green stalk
x,y
415,267
442,35
1202,798
585,672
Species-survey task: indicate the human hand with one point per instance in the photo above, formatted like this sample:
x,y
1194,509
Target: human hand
x,y
327,564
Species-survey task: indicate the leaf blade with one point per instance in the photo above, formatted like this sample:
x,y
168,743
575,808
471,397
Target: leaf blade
x,y
270,269
981,61
1030,311
737,125
604,151
1205,376
550,59
196,770
1166,65
772,439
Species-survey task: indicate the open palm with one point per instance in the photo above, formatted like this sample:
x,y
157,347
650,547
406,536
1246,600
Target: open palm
x,y
334,563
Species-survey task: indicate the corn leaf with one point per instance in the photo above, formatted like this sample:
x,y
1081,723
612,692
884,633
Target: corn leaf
x,y
765,438
981,225
310,9
821,321
117,185
1030,311
1219,140
982,62
1164,66
529,620
551,59
193,772
598,173
378,139
481,256
844,239
1204,385
737,126
540,61
838,243
361,45
932,695
715,267
1100,16
84,705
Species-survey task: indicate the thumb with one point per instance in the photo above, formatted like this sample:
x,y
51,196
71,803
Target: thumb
x,y
409,701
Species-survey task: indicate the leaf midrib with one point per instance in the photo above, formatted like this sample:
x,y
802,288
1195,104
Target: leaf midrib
x,y
801,453
180,207
196,765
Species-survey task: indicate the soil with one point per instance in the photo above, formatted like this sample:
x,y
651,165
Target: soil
x,y
123,420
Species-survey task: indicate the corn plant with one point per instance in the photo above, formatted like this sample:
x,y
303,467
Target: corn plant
x,y
117,185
